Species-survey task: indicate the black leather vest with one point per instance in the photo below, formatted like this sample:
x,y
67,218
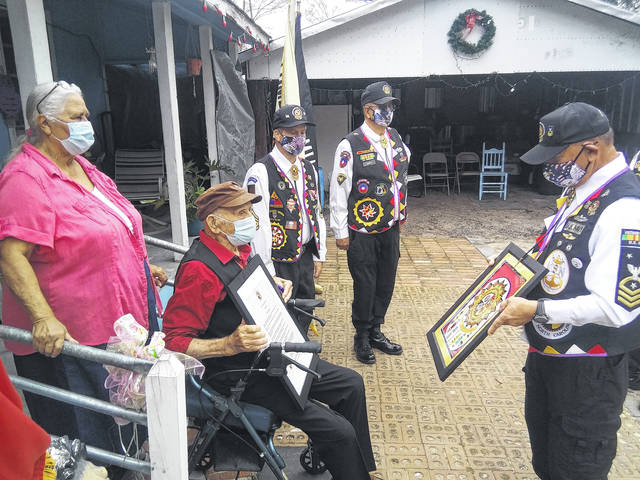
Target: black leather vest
x,y
285,215
224,319
371,202
567,257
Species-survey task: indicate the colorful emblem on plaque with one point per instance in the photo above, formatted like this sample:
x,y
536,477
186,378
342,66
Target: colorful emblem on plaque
x,y
368,211
277,236
555,281
275,201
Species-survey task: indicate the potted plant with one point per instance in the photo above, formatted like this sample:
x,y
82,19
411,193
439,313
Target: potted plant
x,y
194,186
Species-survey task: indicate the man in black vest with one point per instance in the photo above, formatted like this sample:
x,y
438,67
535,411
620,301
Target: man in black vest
x,y
202,321
292,236
582,319
368,200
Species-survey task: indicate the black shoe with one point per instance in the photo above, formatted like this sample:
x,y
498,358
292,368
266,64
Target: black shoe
x,y
634,380
363,350
382,343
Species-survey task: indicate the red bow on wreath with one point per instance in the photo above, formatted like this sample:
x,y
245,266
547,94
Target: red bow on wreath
x,y
471,20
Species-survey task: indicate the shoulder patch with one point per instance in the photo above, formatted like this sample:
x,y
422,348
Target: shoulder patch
x,y
628,281
341,178
252,180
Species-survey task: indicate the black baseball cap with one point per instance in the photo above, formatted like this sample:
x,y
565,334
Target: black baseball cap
x,y
378,93
290,116
571,123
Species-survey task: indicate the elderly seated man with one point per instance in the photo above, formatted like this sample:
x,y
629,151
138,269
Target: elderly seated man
x,y
202,321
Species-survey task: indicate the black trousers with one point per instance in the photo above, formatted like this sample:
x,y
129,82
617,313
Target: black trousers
x,y
301,275
572,409
373,261
54,417
335,417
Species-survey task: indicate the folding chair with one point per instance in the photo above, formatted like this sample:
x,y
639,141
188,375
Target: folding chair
x,y
467,165
435,171
493,178
140,174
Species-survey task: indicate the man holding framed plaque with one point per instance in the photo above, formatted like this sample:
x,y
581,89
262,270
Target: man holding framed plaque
x,y
203,320
583,318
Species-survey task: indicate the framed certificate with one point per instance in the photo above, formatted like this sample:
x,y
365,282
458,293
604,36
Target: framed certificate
x,y
465,324
259,301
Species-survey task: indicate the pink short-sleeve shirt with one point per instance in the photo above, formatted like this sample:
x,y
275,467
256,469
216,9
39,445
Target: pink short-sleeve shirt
x,y
89,265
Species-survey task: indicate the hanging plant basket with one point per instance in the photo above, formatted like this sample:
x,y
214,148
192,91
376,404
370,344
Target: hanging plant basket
x,y
462,27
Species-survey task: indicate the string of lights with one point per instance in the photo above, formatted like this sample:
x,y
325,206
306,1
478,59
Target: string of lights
x,y
504,85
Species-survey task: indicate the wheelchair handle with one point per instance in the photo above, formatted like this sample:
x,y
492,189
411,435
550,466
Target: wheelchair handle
x,y
308,347
306,302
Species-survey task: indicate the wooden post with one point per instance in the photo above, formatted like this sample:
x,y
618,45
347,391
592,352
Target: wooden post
x,y
167,420
209,88
163,33
30,45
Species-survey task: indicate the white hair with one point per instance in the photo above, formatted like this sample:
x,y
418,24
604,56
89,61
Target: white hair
x,y
47,99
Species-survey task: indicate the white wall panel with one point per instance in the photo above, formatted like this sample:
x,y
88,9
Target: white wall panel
x,y
409,39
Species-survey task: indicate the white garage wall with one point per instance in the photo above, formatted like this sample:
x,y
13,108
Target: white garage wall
x,y
332,124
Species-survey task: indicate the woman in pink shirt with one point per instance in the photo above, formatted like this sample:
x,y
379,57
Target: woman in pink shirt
x,y
72,255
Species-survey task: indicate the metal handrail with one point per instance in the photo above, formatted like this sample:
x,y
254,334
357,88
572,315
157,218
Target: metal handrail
x,y
77,399
174,247
84,352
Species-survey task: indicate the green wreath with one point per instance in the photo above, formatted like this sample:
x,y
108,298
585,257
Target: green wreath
x,y
461,24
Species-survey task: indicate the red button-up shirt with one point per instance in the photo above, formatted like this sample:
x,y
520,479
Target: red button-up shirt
x,y
89,265
197,291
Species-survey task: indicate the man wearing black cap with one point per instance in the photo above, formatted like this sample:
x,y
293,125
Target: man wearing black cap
x,y
292,236
368,199
582,319
201,320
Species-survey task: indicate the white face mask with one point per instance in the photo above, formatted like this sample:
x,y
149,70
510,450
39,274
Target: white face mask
x,y
80,137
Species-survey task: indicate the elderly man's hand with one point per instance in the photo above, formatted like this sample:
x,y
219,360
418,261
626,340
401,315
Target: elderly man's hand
x,y
246,338
514,311
342,243
317,269
159,275
286,288
49,335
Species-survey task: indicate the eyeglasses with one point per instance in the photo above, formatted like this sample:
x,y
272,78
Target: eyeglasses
x,y
556,159
43,98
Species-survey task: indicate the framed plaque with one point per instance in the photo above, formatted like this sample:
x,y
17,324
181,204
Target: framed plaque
x,y
258,299
465,324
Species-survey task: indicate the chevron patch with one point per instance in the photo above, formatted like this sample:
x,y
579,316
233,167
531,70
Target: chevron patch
x,y
628,287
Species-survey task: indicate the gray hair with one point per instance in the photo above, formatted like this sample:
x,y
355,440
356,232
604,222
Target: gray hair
x,y
47,99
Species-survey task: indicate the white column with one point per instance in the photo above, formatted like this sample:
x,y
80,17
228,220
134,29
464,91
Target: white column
x,y
163,32
209,88
167,420
30,45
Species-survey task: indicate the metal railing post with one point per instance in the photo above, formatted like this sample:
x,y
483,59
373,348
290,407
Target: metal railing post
x,y
167,420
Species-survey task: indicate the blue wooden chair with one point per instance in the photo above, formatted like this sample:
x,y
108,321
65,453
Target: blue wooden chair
x,y
493,178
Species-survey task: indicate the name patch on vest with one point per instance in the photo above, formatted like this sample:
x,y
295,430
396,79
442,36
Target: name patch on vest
x,y
628,289
556,280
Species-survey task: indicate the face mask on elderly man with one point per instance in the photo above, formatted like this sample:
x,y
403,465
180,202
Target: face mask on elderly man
x,y
383,116
80,136
244,230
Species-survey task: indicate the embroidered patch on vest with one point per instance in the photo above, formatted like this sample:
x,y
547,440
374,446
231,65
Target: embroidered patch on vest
x,y
277,236
381,189
291,204
552,331
275,202
556,280
368,211
628,289
363,185
344,158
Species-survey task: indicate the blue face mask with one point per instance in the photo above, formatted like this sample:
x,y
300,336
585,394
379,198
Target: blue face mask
x,y
80,137
244,230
